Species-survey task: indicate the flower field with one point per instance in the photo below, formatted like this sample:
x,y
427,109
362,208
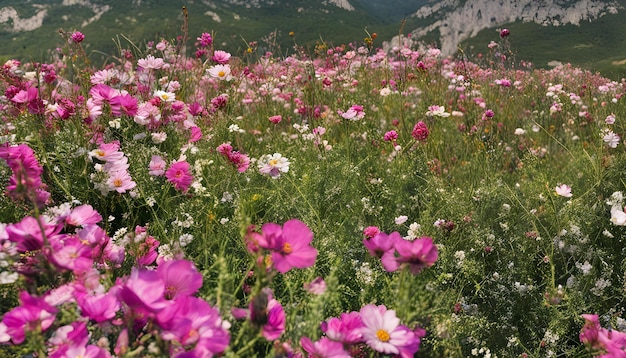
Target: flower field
x,y
339,202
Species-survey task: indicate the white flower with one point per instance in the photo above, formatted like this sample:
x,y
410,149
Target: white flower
x,y
401,219
611,138
165,96
618,216
385,91
519,131
185,239
221,72
115,123
235,128
437,111
273,165
158,137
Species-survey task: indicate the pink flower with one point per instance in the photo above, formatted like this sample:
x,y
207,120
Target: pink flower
x,y
391,136
107,152
27,233
289,244
276,119
381,243
371,231
195,134
179,175
316,287
220,57
382,330
345,329
563,190
143,290
83,215
32,315
205,40
77,37
324,348
180,278
504,33
71,254
417,255
157,166
194,324
151,63
120,181
420,131
99,307
268,313
126,104
354,113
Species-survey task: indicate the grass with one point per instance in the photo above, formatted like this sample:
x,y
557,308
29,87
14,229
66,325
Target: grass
x,y
518,263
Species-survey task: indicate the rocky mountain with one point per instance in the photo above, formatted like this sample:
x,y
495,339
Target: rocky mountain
x,y
576,30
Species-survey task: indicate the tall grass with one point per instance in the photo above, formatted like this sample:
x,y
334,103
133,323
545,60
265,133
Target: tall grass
x,y
517,264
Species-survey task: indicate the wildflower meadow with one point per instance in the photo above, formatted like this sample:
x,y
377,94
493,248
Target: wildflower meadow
x,y
340,201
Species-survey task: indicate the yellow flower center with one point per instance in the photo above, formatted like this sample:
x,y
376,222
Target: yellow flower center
x,y
287,248
117,182
221,74
382,335
273,162
268,261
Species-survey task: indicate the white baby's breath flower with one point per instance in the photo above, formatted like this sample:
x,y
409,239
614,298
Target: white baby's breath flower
x,y
185,239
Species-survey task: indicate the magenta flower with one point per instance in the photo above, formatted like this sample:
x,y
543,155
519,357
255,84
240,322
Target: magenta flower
x,y
179,175
611,342
417,255
381,243
25,183
267,313
290,244
371,231
391,136
126,104
504,33
324,348
194,324
345,329
32,315
27,233
382,330
77,37
99,307
205,40
83,215
180,278
220,57
72,254
143,290
420,131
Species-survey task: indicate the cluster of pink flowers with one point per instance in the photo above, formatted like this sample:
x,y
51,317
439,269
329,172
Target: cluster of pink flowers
x,y
178,174
602,342
240,160
376,326
395,252
354,113
160,297
115,168
25,182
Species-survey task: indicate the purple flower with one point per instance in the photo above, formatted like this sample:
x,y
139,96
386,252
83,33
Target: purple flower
x,y
77,37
